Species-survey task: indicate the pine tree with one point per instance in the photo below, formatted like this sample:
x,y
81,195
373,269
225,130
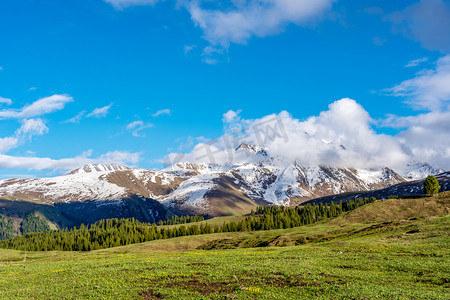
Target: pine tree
x,y
431,185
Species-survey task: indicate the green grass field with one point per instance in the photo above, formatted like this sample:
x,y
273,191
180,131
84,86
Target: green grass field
x,y
366,254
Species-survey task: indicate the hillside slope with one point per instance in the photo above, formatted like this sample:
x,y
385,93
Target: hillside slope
x,y
344,260
404,189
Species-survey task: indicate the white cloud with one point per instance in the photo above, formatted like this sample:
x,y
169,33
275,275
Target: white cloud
x,y
427,22
1,68
162,112
237,24
121,4
100,112
232,121
76,119
316,140
425,137
33,88
32,127
29,128
237,21
7,144
40,107
416,62
137,127
231,116
135,124
44,163
430,89
188,48
340,136
6,101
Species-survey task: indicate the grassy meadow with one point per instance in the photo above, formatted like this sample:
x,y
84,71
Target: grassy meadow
x,y
393,249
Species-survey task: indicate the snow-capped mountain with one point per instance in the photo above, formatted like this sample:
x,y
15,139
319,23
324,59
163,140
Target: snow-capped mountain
x,y
91,168
419,170
92,182
212,189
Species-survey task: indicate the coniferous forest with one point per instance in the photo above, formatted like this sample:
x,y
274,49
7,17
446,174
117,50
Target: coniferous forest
x,y
30,223
119,232
6,228
175,220
33,223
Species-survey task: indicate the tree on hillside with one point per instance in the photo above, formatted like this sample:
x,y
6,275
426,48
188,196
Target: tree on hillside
x,y
431,185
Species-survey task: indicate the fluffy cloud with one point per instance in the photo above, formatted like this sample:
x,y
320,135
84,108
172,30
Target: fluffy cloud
x,y
430,89
44,163
237,21
137,127
8,143
425,137
427,22
6,101
231,116
40,107
247,18
32,127
121,4
162,112
233,122
100,112
29,128
340,136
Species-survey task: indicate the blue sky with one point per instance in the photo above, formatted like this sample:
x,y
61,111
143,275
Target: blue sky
x,y
133,80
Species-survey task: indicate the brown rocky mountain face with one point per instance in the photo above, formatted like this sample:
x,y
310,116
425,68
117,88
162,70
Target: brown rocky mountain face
x,y
206,189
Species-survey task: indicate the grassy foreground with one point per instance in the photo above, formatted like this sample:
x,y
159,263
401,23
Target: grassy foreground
x,y
352,257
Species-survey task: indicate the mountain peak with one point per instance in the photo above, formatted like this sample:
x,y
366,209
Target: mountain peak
x,y
252,148
91,168
417,170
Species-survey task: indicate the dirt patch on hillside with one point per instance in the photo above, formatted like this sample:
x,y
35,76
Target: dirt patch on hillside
x,y
202,287
151,295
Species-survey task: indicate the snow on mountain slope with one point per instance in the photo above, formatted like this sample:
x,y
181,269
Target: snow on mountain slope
x,y
91,168
281,184
67,188
254,178
92,182
191,194
419,170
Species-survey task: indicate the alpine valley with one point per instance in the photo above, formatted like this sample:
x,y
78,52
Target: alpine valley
x,y
101,191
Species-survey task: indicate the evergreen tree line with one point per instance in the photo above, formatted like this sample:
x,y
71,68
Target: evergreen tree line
x,y
30,223
6,228
119,232
33,223
175,220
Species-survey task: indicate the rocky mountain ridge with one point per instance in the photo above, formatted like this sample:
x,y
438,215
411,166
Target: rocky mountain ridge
x,y
212,189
